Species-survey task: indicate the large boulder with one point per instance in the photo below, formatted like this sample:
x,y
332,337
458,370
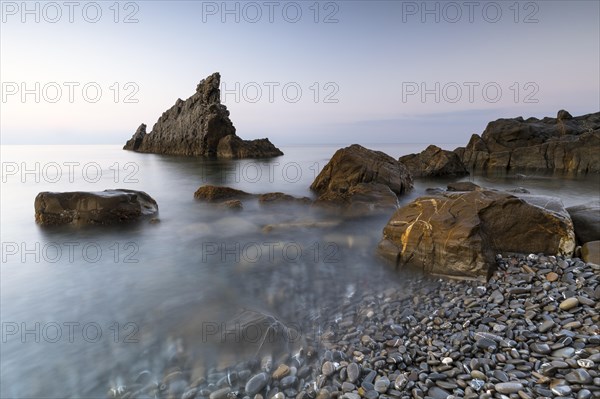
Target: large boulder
x,y
459,233
562,144
434,162
104,207
357,177
199,126
586,219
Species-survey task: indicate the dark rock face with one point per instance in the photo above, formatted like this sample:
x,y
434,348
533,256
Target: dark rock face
x,y
562,144
105,207
586,219
434,162
281,198
459,233
199,126
365,178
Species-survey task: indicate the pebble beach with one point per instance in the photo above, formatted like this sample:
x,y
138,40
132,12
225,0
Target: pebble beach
x,y
531,331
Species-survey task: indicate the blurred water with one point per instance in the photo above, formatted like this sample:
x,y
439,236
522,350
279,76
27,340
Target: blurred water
x,y
81,308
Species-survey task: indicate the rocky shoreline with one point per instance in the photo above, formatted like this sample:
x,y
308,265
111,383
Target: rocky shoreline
x,y
532,330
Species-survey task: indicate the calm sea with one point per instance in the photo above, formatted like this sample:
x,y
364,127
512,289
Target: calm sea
x,y
83,308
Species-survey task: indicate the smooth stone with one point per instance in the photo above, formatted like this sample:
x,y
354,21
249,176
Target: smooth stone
x,y
584,394
350,395
496,297
372,395
564,353
476,384
579,376
569,303
585,363
401,382
348,386
288,382
353,372
438,393
220,393
256,384
328,368
501,375
561,390
382,384
551,276
543,349
282,371
478,375
508,387
486,343
546,326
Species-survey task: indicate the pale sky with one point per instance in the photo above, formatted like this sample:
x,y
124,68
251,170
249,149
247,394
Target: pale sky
x,y
297,72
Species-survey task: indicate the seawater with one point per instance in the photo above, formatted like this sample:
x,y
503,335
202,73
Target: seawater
x,y
83,307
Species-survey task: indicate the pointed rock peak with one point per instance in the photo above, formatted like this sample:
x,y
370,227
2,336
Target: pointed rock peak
x,y
209,88
141,131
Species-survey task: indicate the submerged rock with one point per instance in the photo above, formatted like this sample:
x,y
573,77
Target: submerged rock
x,y
104,207
199,126
219,193
434,162
562,144
230,197
460,233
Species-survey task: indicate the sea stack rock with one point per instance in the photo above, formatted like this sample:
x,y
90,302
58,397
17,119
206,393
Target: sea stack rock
x,y
199,126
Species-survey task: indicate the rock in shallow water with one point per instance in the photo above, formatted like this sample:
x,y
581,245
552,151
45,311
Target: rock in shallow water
x,y
102,207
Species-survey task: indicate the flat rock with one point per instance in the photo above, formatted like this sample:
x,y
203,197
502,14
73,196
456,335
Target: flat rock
x,y
103,207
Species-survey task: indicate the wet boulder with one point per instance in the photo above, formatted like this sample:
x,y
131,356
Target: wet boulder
x,y
357,177
460,233
103,207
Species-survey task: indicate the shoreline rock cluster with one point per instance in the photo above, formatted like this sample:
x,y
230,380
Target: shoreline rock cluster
x,y
531,331
563,144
